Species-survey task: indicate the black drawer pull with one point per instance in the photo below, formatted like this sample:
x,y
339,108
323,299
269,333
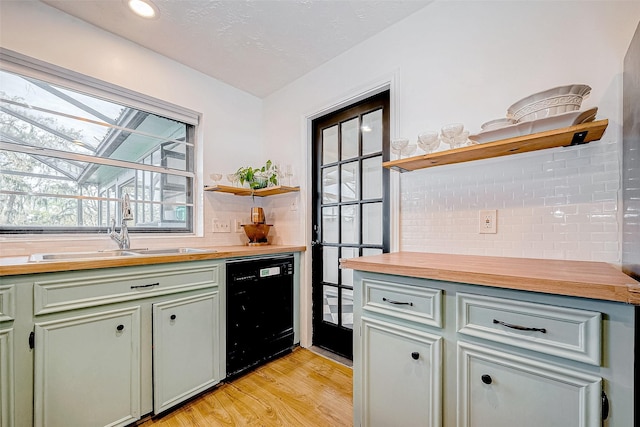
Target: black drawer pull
x,y
415,355
172,317
120,328
390,301
486,379
518,327
150,285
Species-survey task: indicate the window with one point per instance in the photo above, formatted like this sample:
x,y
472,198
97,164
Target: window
x,y
69,154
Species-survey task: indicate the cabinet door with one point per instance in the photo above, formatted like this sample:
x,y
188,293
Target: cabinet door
x,y
185,348
87,370
499,389
6,378
401,376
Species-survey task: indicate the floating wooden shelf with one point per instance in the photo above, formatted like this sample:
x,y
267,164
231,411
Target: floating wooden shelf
x,y
572,135
262,192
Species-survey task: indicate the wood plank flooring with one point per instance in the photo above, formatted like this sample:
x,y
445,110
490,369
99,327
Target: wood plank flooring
x,y
299,389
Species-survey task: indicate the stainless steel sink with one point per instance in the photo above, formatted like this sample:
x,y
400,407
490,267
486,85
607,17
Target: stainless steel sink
x,y
74,256
171,251
77,256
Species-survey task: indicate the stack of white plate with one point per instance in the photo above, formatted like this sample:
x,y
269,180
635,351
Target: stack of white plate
x,y
547,110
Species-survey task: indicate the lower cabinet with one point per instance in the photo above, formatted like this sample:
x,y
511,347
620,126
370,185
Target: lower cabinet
x,y
110,346
499,389
401,381
185,349
87,370
488,356
7,375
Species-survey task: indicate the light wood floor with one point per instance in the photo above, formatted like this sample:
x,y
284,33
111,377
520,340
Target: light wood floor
x,y
299,389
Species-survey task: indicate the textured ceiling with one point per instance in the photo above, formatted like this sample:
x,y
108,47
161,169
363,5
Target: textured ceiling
x,y
258,46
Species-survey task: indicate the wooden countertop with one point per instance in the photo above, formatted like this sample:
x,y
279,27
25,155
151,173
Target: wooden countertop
x,y
20,265
597,280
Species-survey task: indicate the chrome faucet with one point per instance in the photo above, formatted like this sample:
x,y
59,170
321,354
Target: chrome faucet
x,y
122,238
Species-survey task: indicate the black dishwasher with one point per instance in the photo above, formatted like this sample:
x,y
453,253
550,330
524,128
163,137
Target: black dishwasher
x,y
259,311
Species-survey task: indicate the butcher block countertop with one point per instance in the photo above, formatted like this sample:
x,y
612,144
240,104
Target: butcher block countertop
x,y
597,280
20,265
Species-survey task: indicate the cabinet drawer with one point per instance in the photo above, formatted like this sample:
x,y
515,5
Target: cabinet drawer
x,y
558,331
92,289
414,303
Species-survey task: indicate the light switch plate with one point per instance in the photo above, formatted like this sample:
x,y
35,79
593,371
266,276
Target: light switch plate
x,y
488,222
221,226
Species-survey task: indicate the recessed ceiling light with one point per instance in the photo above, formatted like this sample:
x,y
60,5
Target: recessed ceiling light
x,y
144,8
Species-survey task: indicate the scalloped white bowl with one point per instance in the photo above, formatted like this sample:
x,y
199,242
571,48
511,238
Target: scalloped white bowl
x,y
548,103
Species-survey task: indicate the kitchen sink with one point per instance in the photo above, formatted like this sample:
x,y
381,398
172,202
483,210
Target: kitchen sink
x,y
171,251
71,256
76,256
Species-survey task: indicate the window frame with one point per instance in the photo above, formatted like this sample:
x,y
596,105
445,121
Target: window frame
x,y
29,67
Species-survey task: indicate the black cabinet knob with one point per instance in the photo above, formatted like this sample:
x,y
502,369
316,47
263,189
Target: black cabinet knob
x,y
487,379
120,328
173,317
415,355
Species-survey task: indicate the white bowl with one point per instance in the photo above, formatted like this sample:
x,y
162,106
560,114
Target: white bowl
x,y
548,103
497,123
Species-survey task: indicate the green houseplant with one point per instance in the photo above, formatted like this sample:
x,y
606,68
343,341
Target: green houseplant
x,y
259,177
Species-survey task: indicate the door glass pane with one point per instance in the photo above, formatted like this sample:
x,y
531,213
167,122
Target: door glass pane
x,y
349,187
330,145
372,132
350,221
330,224
372,223
330,185
330,304
372,178
371,251
350,139
347,273
347,308
330,264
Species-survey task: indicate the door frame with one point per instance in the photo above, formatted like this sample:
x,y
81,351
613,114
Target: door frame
x,y
334,335
389,82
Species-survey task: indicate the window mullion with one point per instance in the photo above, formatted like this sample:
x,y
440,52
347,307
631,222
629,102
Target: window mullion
x,y
39,151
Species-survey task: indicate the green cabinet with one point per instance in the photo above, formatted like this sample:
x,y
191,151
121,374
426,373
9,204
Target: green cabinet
x,y
7,378
402,375
437,353
186,348
94,347
87,369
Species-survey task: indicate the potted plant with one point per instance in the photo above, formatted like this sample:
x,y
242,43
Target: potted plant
x,y
259,177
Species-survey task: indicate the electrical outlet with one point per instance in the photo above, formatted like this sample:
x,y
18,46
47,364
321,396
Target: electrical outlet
x,y
488,223
237,226
220,226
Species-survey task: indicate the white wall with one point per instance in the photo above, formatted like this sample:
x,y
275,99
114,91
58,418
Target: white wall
x,y
231,131
466,62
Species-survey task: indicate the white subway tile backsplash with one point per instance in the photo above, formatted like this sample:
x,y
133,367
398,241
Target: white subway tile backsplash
x,y
560,203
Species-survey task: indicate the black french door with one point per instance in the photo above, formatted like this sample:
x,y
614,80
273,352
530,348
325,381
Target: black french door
x,y
350,211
